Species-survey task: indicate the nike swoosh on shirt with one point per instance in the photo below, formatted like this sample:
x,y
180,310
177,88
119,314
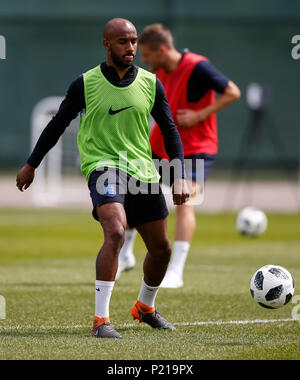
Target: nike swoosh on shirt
x,y
111,112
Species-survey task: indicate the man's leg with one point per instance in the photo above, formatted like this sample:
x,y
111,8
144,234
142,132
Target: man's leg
x,y
184,232
112,218
113,221
155,236
127,259
156,239
186,221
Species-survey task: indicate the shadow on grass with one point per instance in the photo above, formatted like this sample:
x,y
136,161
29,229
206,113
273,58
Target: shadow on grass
x,y
47,285
45,334
83,332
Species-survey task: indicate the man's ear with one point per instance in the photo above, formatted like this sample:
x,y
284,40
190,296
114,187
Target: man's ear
x,y
163,49
106,43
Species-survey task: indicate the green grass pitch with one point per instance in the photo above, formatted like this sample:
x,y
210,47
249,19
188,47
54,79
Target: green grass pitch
x,y
47,278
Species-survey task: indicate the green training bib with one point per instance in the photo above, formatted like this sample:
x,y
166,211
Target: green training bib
x,y
114,130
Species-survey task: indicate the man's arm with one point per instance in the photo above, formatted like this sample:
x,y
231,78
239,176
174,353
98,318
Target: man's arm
x,y
73,103
162,114
205,77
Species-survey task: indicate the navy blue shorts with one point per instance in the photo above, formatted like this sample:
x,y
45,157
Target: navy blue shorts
x,y
191,168
147,205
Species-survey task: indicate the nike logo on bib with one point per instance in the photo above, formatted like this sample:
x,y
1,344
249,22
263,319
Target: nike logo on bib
x,y
111,112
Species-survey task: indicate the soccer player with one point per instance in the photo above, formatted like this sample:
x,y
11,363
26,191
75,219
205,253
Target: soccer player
x,y
115,100
190,82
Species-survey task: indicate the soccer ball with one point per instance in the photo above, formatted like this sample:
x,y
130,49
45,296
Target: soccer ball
x,y
272,286
251,222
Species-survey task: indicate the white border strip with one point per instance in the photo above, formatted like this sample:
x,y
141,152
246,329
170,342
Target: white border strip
x,y
197,323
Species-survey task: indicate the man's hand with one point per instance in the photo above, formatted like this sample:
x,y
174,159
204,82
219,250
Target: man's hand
x,y
25,177
189,118
181,192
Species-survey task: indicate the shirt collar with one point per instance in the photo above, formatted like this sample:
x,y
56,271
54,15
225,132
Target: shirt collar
x,y
111,74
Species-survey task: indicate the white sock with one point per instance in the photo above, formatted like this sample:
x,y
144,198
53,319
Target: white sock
x,y
127,248
180,252
103,291
148,294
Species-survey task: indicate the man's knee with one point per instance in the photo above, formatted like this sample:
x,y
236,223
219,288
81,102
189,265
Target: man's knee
x,y
112,218
184,209
162,250
115,236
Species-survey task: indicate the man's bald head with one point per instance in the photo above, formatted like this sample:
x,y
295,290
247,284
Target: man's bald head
x,y
118,26
120,42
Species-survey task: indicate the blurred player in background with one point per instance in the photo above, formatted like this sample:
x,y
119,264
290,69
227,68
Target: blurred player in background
x,y
190,82
115,100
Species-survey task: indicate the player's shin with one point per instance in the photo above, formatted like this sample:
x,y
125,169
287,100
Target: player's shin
x,y
103,291
174,275
102,327
127,259
148,294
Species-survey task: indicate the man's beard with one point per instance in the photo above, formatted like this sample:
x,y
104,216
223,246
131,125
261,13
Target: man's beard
x,y
116,60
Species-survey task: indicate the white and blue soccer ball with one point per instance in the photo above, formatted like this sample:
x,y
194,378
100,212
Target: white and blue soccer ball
x,y
272,286
251,222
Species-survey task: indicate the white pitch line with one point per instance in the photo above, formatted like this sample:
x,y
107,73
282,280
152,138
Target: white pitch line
x,y
218,323
197,323
207,323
